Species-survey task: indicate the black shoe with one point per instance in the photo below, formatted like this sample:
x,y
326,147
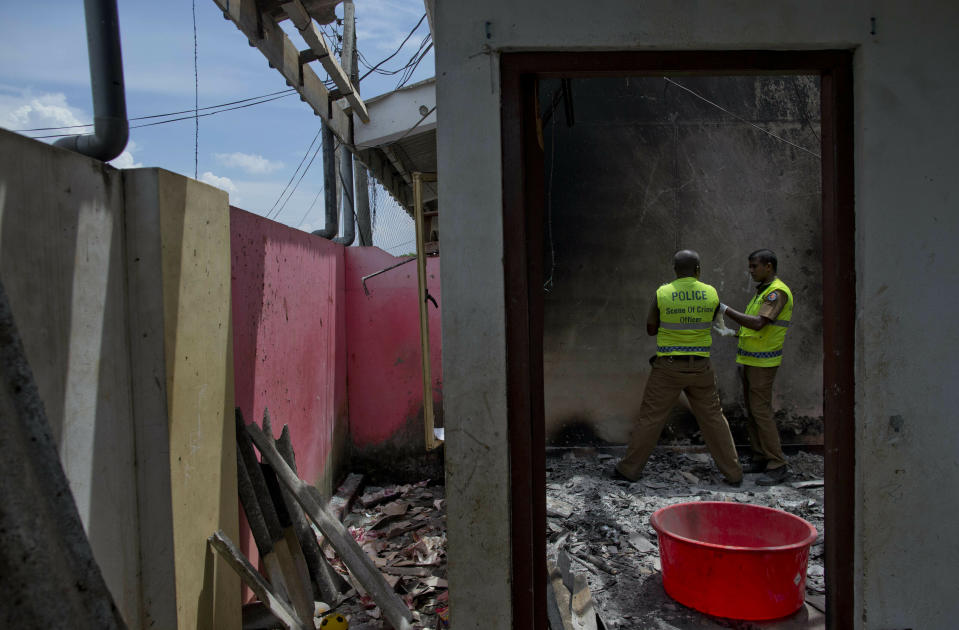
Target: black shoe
x,y
615,475
773,477
751,465
734,484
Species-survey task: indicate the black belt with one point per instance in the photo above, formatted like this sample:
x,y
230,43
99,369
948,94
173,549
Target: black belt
x,y
685,357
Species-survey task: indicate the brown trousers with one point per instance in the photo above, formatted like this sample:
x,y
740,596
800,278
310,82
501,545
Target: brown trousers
x,y
763,434
669,376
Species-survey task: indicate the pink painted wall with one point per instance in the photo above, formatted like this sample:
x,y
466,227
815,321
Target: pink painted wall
x,y
289,333
383,342
338,366
289,341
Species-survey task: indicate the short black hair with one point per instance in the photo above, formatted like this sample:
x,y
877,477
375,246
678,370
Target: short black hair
x,y
686,262
764,256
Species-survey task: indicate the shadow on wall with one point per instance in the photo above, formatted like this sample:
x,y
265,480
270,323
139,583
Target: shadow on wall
x,y
62,260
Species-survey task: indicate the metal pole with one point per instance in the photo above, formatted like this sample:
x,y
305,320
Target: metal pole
x,y
428,419
345,181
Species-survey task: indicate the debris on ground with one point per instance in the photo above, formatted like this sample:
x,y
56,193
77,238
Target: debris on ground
x,y
604,526
602,547
403,530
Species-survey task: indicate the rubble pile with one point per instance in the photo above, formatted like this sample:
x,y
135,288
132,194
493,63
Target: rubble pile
x,y
604,526
403,530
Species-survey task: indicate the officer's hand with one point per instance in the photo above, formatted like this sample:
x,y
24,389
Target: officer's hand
x,y
720,327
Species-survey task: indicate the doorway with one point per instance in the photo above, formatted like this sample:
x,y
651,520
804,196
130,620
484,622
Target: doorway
x,y
527,267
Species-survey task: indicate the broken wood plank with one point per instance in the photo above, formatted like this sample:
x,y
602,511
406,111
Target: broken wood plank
x,y
296,574
553,615
412,571
382,496
235,558
327,583
262,31
297,13
581,604
812,483
343,498
292,562
250,500
356,560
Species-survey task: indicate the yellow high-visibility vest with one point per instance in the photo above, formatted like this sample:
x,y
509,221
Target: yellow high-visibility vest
x,y
764,347
686,309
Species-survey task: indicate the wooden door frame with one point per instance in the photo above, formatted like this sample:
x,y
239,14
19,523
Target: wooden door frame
x,y
523,206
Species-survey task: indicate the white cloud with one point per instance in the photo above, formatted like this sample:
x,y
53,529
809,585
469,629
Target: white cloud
x,y
224,183
253,164
125,159
24,109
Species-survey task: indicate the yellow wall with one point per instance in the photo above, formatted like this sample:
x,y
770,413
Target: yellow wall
x,y
195,241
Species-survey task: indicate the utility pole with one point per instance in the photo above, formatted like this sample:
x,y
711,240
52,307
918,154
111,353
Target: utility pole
x,y
345,180
360,180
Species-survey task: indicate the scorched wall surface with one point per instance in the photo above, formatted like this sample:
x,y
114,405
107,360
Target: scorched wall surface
x,y
642,169
383,337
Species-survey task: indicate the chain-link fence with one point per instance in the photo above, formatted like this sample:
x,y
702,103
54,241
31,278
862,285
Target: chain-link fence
x,y
393,228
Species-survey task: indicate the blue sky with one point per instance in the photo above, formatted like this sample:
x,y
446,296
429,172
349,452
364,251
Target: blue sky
x,y
252,152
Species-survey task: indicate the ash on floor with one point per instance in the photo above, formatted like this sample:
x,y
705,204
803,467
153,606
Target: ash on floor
x,y
605,528
604,525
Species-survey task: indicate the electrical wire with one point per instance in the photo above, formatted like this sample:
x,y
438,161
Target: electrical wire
x,y
320,130
297,184
409,73
313,203
395,52
196,101
163,122
548,284
185,111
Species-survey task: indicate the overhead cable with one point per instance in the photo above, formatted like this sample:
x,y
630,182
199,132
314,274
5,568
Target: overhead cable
x,y
163,122
318,131
297,184
409,73
196,101
398,49
185,111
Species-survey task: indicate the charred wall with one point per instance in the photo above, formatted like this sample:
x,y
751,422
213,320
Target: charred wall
x,y
640,167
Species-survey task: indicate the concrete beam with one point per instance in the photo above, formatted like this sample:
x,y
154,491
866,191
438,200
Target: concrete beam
x,y
317,43
398,115
263,32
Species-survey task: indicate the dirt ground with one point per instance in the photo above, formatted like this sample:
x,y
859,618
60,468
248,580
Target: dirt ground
x,y
602,524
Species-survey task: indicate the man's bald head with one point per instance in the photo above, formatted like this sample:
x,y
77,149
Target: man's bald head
x,y
686,263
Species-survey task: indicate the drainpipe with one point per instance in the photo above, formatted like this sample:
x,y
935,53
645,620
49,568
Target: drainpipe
x,y
346,178
110,127
329,187
348,60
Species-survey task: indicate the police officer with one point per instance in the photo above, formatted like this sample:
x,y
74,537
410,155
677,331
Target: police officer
x,y
761,335
681,319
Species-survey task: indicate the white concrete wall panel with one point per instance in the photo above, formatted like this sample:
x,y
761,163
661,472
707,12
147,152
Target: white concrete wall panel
x,y
62,261
906,267
474,327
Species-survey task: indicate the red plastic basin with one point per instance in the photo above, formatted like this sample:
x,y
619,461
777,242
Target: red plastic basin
x,y
732,559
